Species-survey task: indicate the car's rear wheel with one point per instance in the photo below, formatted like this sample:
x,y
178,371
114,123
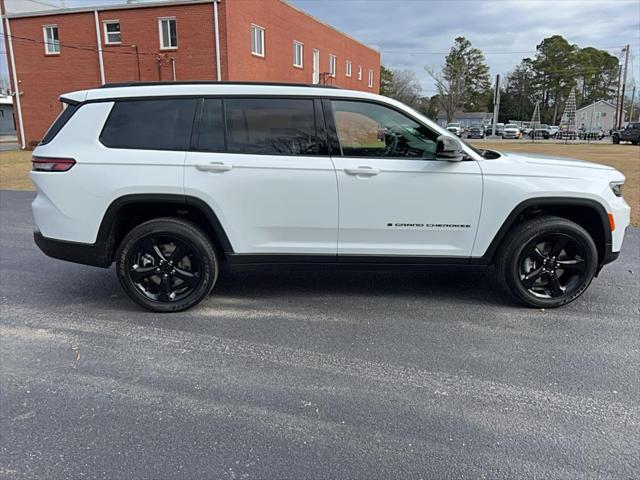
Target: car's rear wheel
x,y
615,139
166,265
547,262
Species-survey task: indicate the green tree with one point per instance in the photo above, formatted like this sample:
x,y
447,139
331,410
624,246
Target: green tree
x,y
597,74
386,81
464,81
554,66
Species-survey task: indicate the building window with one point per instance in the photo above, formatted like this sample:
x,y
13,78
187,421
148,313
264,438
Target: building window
x,y
297,54
111,32
257,40
51,40
347,68
332,65
370,82
168,33
359,72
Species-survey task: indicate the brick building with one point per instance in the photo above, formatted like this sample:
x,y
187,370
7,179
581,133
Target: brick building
x,y
248,40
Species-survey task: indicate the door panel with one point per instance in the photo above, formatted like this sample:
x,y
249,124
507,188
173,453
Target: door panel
x,y
269,203
264,176
410,207
395,196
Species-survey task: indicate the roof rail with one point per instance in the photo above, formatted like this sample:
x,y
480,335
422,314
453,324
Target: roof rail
x,y
211,82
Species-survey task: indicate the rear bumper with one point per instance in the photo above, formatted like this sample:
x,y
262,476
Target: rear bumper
x,y
95,254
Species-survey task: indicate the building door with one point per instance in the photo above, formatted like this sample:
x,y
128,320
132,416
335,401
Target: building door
x,y
316,66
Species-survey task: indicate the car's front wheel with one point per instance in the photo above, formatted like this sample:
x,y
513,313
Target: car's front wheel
x,y
615,139
166,265
547,262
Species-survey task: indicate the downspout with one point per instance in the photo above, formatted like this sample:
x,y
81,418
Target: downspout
x,y
173,68
15,84
217,38
99,40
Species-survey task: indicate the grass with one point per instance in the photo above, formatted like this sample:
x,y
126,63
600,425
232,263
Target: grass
x,y
15,164
14,170
624,157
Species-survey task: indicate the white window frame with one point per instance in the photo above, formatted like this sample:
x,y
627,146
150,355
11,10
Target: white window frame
x,y
333,65
106,33
161,20
359,72
370,79
347,69
48,45
257,29
298,45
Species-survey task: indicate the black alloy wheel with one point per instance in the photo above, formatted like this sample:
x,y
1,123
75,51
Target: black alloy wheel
x,y
167,265
165,268
552,265
547,261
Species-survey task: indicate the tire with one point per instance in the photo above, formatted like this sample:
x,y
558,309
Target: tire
x,y
174,261
526,246
615,139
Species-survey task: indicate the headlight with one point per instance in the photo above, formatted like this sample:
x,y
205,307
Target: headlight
x,y
616,188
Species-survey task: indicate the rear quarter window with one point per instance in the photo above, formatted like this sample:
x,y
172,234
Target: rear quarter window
x,y
62,119
159,124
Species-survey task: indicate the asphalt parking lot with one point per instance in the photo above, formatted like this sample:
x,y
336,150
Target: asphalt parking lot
x,y
313,375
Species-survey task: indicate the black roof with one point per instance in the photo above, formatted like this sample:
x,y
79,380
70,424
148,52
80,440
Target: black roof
x,y
208,82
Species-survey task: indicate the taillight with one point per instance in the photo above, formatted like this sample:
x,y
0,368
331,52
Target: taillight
x,y
46,164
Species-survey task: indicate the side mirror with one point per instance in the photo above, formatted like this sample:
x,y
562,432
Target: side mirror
x,y
449,149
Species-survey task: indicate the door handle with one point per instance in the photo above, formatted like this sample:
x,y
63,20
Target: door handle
x,y
370,171
214,167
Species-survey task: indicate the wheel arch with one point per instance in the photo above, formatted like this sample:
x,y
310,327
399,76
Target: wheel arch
x,y
588,213
127,211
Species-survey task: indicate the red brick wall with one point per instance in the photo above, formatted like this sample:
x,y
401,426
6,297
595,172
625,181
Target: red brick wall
x,y
194,57
283,24
43,78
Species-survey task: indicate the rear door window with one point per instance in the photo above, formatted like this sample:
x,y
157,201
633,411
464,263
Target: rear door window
x,y
271,126
159,124
211,131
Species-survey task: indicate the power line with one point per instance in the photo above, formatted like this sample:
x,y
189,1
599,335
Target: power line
x,y
504,52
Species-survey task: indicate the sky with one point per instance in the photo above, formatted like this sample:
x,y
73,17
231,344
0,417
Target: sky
x,y
412,34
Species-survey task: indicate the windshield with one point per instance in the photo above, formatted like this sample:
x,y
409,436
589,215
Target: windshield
x,y
453,125
510,125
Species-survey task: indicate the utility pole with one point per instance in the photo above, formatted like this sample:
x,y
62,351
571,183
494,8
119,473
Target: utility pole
x,y
633,98
624,84
496,104
615,117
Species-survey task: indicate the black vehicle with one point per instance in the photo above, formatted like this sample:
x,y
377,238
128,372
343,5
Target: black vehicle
x,y
631,133
475,132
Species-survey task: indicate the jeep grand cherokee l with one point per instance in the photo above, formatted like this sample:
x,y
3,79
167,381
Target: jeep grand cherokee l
x,y
173,181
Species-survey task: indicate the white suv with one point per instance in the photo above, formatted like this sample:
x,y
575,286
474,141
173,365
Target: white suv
x,y
172,181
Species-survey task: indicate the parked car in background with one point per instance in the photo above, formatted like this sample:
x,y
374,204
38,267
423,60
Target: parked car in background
x,y
510,130
554,129
540,131
499,128
565,134
475,131
590,133
455,128
631,133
